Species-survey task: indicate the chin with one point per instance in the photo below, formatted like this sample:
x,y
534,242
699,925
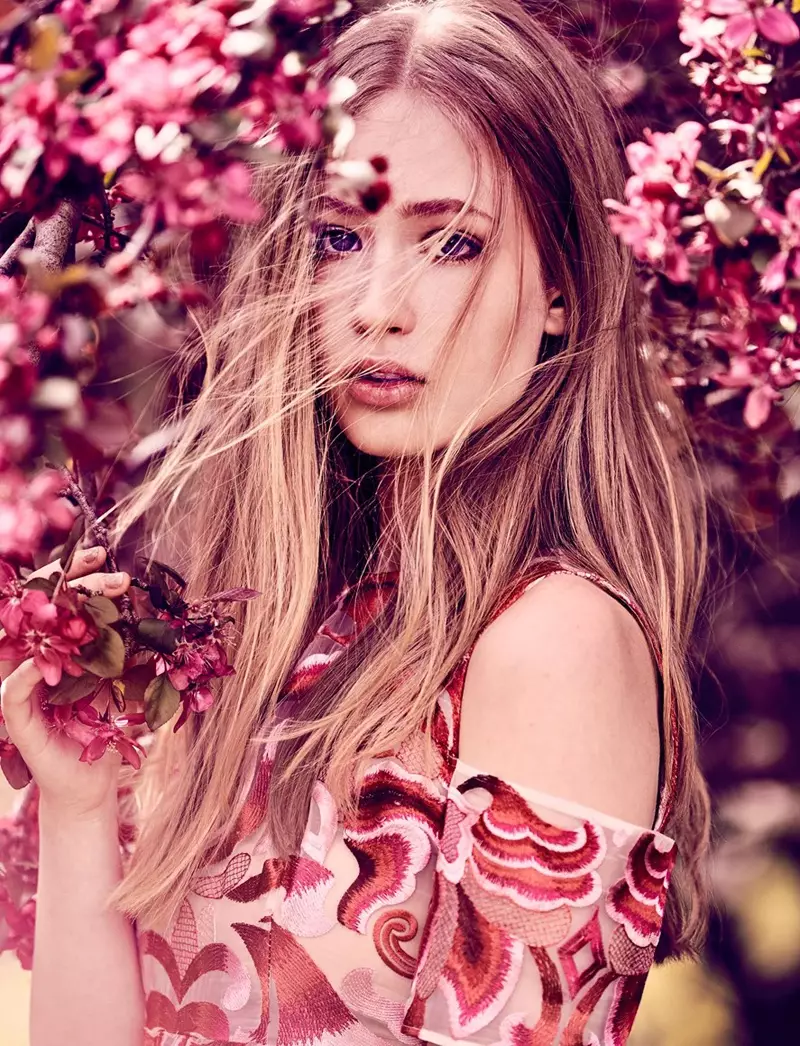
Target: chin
x,y
365,439
381,433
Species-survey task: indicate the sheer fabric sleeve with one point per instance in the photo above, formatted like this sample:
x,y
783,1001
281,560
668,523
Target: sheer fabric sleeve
x,y
543,921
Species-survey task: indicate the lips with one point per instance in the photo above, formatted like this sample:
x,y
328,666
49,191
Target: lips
x,y
382,370
384,384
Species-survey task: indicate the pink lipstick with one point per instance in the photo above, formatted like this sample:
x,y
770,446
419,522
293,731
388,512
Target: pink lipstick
x,y
383,383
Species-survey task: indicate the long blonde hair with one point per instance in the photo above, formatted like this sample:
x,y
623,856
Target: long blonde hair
x,y
594,459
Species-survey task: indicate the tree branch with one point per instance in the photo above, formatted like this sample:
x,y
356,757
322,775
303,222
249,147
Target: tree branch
x,y
12,253
100,533
55,235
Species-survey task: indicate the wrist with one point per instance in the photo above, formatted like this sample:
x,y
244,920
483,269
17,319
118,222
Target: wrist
x,y
54,811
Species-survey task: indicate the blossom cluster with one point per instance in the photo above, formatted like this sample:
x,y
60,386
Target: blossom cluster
x,y
104,83
718,238
19,873
37,627
90,659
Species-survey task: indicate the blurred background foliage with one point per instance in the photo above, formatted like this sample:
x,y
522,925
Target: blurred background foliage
x,y
746,989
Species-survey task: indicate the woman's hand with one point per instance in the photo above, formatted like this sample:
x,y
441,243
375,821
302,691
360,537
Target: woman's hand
x,y
80,789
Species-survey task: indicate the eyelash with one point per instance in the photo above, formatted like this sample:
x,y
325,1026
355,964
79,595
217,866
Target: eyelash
x,y
462,239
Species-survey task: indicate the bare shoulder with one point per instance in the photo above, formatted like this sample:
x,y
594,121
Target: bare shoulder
x,y
561,696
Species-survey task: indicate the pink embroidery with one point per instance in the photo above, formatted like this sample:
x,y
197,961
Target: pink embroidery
x,y
503,869
358,991
388,867
481,970
217,886
519,855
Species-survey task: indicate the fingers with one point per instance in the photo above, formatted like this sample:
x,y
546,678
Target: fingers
x,y
110,585
86,559
78,574
22,715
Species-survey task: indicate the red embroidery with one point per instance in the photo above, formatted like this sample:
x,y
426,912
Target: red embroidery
x,y
637,901
588,936
392,929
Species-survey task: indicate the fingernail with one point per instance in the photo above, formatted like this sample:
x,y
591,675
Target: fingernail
x,y
93,554
114,579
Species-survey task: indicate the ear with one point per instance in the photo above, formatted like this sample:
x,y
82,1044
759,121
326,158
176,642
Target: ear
x,y
556,320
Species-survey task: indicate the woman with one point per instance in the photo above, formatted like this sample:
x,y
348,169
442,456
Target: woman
x,y
452,792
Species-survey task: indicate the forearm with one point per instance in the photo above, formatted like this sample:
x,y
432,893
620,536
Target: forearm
x,y
86,985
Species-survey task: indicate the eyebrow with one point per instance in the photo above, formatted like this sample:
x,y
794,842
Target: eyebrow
x,y
415,209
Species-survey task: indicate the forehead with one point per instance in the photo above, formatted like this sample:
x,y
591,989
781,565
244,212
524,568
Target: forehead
x,y
428,158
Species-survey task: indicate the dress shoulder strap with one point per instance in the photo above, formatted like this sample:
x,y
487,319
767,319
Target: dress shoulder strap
x,y
668,731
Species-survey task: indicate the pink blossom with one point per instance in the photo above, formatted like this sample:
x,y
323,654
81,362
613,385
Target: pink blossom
x,y
19,846
787,228
27,507
82,722
745,18
658,195
51,634
200,656
700,33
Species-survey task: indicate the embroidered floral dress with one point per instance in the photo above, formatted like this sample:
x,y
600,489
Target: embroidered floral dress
x,y
458,908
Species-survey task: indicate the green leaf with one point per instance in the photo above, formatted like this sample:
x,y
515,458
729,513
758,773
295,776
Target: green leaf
x,y
137,679
43,584
70,689
105,656
68,551
101,610
161,702
157,635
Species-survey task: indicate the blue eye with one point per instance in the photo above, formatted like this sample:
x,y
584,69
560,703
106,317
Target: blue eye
x,y
333,240
460,248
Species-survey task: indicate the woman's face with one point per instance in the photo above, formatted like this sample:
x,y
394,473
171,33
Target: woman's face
x,y
369,287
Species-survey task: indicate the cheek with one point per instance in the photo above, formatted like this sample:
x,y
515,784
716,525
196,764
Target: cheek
x,y
499,331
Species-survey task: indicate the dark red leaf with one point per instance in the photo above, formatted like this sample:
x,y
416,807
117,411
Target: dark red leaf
x,y
15,769
137,679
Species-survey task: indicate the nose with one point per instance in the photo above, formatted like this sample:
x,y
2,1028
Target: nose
x,y
382,299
